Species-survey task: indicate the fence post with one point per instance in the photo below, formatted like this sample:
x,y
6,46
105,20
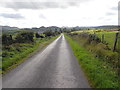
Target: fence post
x,y
102,38
115,43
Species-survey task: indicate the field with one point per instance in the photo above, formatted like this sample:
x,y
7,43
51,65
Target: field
x,y
109,36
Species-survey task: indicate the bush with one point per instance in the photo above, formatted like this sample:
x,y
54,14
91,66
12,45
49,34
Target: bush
x,y
51,33
37,35
7,39
42,36
24,37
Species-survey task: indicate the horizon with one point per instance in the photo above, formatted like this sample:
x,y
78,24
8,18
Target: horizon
x,y
57,26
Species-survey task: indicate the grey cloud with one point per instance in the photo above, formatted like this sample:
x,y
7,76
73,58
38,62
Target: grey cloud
x,y
104,19
42,16
101,18
13,16
114,8
40,4
110,13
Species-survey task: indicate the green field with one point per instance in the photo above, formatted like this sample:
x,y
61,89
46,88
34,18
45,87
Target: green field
x,y
109,36
99,73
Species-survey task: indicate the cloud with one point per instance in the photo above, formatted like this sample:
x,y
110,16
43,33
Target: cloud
x,y
101,18
110,13
42,16
13,16
40,4
114,8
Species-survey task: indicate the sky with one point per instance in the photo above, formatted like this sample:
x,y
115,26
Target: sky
x,y
70,13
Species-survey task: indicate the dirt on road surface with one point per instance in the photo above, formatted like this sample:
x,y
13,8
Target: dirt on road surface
x,y
54,67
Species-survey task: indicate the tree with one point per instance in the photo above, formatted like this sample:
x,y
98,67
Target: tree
x,y
49,33
7,39
37,35
25,37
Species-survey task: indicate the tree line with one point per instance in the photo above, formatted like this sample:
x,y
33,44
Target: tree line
x,y
26,37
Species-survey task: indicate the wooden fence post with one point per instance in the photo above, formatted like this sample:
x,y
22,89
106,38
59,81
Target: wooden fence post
x,y
102,38
115,43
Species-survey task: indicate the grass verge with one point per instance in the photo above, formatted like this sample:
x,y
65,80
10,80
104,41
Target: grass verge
x,y
100,75
18,53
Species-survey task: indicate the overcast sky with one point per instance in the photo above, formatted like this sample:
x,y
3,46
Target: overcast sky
x,y
36,13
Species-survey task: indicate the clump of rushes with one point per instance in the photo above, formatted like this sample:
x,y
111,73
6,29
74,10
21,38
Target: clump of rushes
x,y
98,72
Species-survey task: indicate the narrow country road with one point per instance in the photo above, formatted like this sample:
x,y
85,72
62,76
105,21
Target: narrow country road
x,y
54,67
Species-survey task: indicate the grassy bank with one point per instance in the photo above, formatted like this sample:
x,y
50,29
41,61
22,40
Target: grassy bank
x,y
14,54
99,49
99,73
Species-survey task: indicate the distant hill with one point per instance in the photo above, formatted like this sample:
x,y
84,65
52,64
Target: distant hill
x,y
55,28
8,28
107,27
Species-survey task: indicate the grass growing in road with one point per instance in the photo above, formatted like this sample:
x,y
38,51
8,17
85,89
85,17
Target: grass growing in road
x,y
14,54
99,73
